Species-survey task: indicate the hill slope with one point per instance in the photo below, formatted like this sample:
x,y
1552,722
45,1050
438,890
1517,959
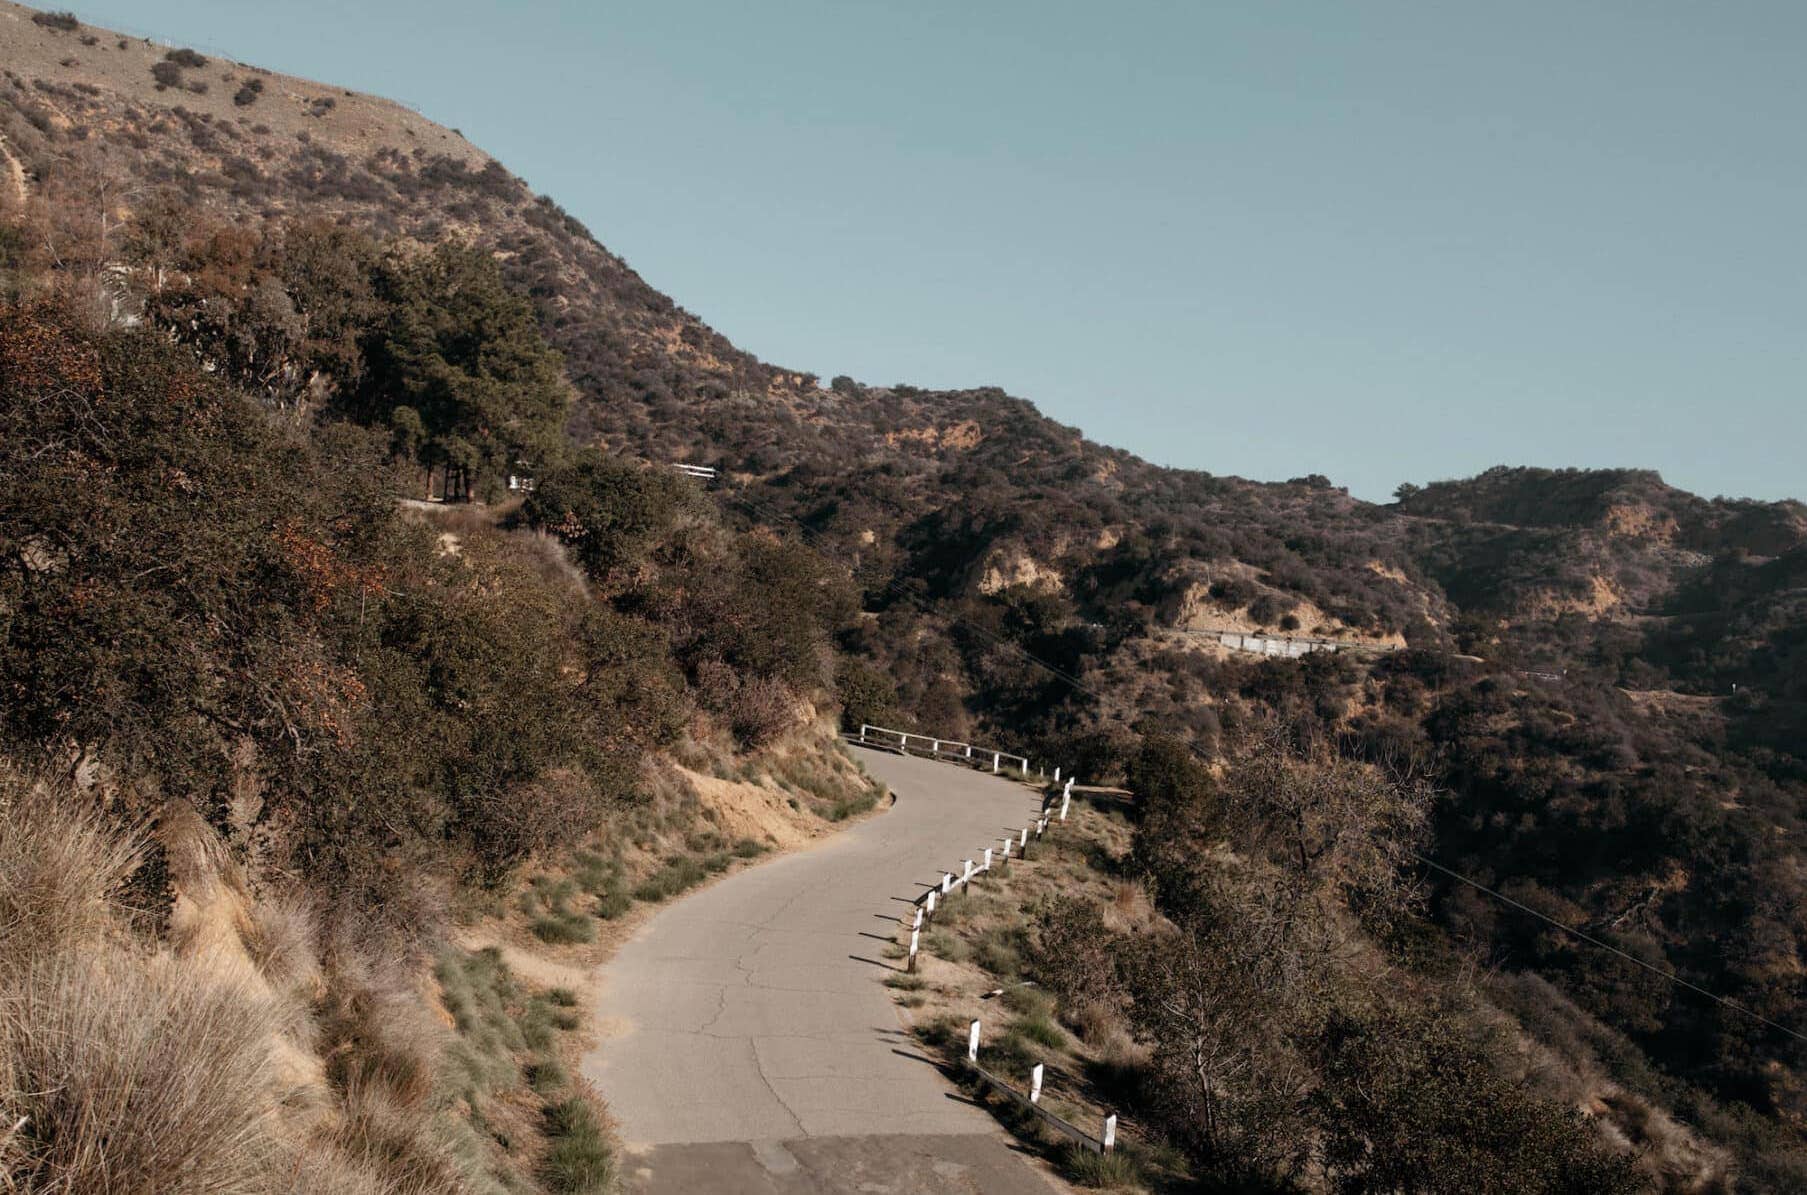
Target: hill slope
x,y
1572,638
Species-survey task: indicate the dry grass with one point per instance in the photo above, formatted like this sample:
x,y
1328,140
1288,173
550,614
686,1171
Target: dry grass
x,y
262,1055
60,869
132,1073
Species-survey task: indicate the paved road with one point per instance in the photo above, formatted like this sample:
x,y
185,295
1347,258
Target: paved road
x,y
749,1043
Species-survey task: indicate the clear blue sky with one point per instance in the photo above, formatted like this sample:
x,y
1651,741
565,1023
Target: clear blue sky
x,y
1378,241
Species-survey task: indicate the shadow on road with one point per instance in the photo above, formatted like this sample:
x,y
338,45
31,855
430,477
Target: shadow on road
x,y
874,962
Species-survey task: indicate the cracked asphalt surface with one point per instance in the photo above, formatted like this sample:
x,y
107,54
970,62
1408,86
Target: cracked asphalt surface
x,y
748,1041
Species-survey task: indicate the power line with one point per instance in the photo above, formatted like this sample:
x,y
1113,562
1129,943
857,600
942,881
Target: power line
x,y
1671,976
812,536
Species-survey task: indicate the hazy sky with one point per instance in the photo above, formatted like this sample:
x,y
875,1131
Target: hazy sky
x,y
1383,242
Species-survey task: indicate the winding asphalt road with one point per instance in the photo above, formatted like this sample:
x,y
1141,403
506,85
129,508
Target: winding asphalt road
x,y
749,1044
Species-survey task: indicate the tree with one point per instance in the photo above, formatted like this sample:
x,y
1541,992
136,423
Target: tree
x,y
1416,1100
610,512
466,354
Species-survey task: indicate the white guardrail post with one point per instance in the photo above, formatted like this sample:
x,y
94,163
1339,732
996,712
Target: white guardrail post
x,y
1109,1140
915,944
1035,1084
972,1042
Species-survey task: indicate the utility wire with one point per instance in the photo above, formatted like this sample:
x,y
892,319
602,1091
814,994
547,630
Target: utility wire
x,y
1671,976
815,538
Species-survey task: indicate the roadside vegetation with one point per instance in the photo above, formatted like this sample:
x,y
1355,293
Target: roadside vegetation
x,y
1213,965
265,724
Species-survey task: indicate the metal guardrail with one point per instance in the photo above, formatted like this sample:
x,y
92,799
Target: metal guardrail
x,y
939,748
1099,1145
1054,810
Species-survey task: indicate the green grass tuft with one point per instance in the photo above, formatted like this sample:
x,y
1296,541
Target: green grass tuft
x,y
1101,1171
676,876
578,1160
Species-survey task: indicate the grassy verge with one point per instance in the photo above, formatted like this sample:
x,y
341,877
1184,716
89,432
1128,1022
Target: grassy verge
x,y
505,1053
977,963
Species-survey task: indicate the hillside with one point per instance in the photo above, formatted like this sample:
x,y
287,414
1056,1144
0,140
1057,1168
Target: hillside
x,y
1602,675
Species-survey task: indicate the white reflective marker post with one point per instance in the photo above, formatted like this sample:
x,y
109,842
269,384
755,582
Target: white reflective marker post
x,y
947,882
928,905
967,878
1110,1122
972,1045
1035,1084
915,944
918,924
987,866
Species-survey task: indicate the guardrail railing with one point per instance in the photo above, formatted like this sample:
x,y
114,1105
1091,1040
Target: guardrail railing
x,y
909,742
1054,810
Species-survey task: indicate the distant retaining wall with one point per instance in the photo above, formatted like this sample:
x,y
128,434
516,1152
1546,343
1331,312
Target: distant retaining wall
x,y
1289,647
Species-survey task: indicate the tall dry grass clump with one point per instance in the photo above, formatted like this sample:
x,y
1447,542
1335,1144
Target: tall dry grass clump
x,y
60,868
121,1070
128,1075
192,1066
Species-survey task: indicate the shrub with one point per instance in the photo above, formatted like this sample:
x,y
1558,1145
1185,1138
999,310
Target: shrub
x,y
62,22
185,58
167,74
248,92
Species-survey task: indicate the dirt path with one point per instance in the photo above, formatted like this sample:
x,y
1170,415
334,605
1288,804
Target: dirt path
x,y
751,1044
15,173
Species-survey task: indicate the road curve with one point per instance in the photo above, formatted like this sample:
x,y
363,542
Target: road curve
x,y
749,1044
